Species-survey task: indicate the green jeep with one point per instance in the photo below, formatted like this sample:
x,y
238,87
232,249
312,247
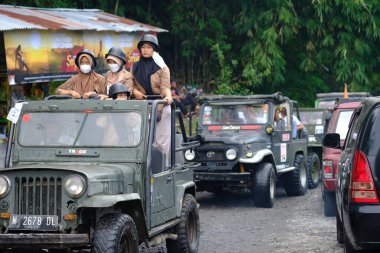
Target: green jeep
x,y
244,148
88,175
315,120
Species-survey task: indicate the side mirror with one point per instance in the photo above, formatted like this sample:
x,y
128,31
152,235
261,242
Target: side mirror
x,y
332,140
269,129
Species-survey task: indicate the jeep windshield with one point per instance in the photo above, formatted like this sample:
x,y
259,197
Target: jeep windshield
x,y
312,117
87,128
232,118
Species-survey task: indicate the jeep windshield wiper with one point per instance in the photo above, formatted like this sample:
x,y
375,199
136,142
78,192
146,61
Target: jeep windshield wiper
x,y
80,129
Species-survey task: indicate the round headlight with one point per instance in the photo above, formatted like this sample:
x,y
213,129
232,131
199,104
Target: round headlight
x,y
4,185
231,154
74,185
189,155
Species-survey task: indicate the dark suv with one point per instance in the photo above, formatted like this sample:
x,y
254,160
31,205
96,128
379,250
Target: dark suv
x,y
338,124
357,199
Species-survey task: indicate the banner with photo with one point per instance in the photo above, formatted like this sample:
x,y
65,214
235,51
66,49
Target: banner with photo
x,y
43,56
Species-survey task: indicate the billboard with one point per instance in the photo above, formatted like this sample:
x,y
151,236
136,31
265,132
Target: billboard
x,y
34,56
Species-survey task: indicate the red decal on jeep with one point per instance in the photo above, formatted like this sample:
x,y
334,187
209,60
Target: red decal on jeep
x,y
250,127
214,128
26,118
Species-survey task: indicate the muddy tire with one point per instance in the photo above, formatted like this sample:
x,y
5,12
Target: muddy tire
x,y
188,230
314,170
264,185
329,204
115,233
295,181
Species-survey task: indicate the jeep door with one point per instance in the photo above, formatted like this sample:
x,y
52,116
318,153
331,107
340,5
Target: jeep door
x,y
281,141
161,184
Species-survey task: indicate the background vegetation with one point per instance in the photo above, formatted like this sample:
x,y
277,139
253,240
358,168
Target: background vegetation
x,y
299,47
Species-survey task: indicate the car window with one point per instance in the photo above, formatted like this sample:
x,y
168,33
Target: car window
x,y
353,133
370,144
342,123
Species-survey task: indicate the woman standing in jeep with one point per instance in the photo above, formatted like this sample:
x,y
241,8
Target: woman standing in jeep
x,y
152,77
116,60
87,82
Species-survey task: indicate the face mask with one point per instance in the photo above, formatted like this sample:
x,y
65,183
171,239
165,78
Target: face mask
x,y
85,68
113,67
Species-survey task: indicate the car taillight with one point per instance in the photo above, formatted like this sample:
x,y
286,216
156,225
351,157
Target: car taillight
x,y
328,171
362,186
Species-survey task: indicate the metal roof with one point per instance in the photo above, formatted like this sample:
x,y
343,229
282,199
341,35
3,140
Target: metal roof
x,y
19,17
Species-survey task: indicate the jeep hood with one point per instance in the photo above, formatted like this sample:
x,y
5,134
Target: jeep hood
x,y
237,138
93,172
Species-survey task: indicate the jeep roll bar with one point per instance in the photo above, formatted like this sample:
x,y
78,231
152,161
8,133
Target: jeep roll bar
x,y
277,96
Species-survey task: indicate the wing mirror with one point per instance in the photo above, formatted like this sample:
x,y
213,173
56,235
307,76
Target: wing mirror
x,y
332,140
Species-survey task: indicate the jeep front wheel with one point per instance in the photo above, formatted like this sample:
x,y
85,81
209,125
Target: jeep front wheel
x,y
314,168
264,185
188,230
295,181
115,233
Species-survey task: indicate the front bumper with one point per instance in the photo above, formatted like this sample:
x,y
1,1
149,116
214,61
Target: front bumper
x,y
362,224
48,241
243,177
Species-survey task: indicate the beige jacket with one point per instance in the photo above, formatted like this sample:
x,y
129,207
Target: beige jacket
x,y
123,77
84,83
160,82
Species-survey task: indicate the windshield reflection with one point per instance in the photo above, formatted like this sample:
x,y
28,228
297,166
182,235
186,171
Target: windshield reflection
x,y
245,114
80,129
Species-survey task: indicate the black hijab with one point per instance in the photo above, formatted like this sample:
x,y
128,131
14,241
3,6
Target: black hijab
x,y
142,70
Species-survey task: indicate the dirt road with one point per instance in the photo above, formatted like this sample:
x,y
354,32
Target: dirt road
x,y
231,223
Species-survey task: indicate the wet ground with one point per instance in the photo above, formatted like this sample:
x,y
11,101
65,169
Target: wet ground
x,y
230,223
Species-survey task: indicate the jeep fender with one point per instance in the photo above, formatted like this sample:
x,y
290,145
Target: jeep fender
x,y
258,156
181,189
128,203
101,201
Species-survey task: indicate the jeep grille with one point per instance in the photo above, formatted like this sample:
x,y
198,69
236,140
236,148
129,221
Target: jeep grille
x,y
217,155
38,196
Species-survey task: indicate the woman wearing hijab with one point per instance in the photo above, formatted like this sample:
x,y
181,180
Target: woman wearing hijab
x,y
116,60
87,82
152,77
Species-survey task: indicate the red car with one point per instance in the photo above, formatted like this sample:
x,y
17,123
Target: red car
x,y
330,157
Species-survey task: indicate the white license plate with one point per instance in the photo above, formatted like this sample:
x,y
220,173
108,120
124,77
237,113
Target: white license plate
x,y
34,222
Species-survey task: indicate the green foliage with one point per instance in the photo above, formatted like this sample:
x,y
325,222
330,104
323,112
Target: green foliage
x,y
244,47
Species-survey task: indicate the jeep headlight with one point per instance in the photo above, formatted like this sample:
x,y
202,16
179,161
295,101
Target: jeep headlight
x,y
189,155
5,185
75,185
231,154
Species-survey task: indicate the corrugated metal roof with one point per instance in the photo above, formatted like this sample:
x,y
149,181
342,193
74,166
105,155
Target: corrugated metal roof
x,y
19,17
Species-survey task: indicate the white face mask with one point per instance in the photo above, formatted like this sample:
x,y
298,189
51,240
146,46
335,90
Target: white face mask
x,y
85,68
114,67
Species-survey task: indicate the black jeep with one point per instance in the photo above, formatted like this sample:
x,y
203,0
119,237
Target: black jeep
x,y
245,148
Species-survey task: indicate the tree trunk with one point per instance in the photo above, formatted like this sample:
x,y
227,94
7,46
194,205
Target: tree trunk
x,y
116,7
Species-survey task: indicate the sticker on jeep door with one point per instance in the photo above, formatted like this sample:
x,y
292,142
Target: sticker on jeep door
x,y
286,137
283,152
